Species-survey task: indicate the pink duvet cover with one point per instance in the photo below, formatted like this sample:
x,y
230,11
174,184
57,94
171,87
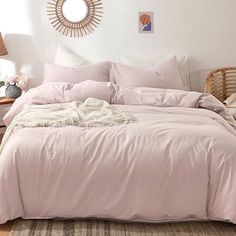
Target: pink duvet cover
x,y
175,162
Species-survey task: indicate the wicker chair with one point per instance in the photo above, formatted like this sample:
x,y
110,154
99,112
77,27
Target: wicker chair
x,y
221,83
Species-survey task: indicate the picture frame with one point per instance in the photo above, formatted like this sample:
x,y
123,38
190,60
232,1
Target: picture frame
x,y
146,22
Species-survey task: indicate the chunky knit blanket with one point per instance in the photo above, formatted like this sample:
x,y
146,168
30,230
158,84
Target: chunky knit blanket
x,y
91,113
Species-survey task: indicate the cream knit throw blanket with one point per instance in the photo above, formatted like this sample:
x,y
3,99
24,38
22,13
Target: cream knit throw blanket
x,y
91,113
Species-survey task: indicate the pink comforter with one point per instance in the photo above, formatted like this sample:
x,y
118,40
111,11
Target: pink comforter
x,y
176,162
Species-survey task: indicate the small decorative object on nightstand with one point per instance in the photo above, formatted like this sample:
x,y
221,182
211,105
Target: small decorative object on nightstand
x,y
5,105
15,84
12,91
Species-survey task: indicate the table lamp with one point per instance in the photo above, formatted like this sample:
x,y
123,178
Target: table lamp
x,y
3,49
3,52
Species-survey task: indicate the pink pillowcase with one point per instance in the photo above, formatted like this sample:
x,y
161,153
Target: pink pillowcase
x,y
86,89
165,75
57,73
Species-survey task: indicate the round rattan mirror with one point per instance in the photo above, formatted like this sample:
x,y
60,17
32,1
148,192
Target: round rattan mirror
x,y
75,18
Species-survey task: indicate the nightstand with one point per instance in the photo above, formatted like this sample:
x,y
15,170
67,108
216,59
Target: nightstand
x,y
5,105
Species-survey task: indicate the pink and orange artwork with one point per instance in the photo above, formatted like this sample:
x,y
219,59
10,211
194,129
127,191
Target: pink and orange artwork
x,y
146,22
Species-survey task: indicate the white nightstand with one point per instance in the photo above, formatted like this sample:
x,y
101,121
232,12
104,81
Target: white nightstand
x,y
5,105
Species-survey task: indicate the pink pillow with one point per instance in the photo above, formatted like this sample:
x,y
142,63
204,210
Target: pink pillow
x,y
57,73
86,89
165,75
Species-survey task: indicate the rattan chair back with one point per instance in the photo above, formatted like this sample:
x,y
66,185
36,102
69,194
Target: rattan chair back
x,y
221,83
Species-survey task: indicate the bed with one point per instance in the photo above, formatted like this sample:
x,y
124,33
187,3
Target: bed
x,y
105,149
174,161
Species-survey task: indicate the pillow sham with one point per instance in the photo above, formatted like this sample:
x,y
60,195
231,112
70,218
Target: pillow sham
x,y
183,64
67,57
96,72
164,75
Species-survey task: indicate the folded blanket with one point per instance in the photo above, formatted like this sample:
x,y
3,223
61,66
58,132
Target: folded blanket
x,y
91,113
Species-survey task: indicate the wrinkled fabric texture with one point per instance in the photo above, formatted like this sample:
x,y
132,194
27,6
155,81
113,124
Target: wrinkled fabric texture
x,y
91,113
61,92
175,162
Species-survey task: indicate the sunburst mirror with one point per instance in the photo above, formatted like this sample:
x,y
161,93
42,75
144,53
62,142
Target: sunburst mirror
x,y
75,18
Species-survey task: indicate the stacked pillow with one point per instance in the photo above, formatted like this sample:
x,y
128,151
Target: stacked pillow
x,y
97,72
183,65
164,75
67,57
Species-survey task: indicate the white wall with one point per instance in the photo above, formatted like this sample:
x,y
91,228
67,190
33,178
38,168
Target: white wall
x,y
204,30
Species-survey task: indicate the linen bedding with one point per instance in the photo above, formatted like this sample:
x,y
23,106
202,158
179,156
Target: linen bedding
x,y
176,161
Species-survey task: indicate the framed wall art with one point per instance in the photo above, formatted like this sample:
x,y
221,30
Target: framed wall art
x,y
146,22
